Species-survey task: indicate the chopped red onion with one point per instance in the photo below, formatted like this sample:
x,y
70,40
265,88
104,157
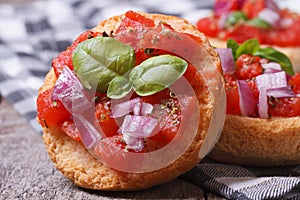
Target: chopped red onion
x,y
271,81
272,5
69,90
270,16
137,144
281,92
124,108
142,109
225,5
265,82
285,22
247,100
138,126
271,67
227,60
88,133
263,104
223,18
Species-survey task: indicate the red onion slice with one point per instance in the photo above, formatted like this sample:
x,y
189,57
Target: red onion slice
x,y
271,67
227,60
138,126
271,81
137,144
269,16
225,5
280,92
124,108
142,109
263,104
265,82
247,99
223,18
89,135
69,90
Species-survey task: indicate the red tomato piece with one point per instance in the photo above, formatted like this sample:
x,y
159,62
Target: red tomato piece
x,y
104,119
284,107
294,82
70,129
232,96
170,115
134,20
241,33
248,67
208,26
252,7
50,112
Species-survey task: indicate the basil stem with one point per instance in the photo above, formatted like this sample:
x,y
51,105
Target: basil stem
x,y
99,60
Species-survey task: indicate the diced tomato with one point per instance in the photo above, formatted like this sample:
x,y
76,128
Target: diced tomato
x,y
294,82
70,129
288,36
252,7
284,107
248,67
209,26
50,112
104,119
65,58
134,20
241,33
232,96
170,115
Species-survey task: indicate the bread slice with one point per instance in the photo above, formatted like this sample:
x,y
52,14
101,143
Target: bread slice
x,y
76,163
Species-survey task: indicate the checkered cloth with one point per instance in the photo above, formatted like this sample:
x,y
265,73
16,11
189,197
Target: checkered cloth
x,y
32,34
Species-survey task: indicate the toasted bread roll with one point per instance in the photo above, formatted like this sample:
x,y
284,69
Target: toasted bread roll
x,y
76,163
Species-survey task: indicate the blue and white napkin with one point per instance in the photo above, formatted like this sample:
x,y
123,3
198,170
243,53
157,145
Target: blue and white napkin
x,y
32,34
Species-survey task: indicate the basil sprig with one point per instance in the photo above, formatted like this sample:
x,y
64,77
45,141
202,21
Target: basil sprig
x,y
235,18
107,64
151,76
259,23
99,60
252,47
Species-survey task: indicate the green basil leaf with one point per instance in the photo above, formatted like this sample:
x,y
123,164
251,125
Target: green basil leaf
x,y
235,18
259,23
119,87
98,60
248,47
156,74
276,56
234,46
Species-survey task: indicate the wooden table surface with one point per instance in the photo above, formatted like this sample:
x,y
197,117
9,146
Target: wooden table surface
x,y
26,171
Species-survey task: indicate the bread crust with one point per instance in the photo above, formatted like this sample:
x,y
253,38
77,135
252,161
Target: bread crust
x,y
259,142
76,163
291,52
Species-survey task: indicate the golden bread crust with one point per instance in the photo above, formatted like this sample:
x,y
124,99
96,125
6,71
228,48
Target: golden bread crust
x,y
259,142
291,52
76,163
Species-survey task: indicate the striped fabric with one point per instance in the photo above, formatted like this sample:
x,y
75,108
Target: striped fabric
x,y
32,34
